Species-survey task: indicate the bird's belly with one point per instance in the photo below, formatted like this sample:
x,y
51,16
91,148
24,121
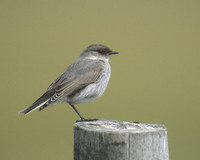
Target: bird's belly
x,y
92,91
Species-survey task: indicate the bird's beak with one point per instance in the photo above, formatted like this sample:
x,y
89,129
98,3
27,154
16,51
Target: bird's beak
x,y
113,52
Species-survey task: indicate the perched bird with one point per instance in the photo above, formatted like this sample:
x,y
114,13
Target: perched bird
x,y
83,81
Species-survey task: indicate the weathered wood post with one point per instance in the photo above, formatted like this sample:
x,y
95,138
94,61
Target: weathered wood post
x,y
111,140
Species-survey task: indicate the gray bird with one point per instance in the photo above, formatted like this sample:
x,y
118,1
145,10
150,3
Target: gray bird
x,y
83,81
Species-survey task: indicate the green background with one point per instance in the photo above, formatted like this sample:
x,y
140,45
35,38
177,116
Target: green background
x,y
155,78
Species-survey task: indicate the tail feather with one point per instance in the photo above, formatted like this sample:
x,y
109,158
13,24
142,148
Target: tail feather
x,y
40,102
43,107
31,108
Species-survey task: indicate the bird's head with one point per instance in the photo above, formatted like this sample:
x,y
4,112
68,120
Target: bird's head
x,y
98,50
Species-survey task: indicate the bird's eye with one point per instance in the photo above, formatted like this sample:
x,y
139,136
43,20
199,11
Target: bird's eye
x,y
104,51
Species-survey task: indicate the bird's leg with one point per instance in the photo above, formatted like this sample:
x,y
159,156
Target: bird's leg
x,y
82,118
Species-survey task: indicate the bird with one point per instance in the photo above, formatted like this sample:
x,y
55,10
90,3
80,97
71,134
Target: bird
x,y
83,81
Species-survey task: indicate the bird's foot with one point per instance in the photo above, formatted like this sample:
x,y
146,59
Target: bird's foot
x,y
136,122
87,120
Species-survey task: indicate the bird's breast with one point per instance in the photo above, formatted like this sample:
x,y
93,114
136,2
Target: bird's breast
x,y
94,90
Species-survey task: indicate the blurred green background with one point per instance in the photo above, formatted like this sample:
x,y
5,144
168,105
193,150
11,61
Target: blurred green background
x,y
155,78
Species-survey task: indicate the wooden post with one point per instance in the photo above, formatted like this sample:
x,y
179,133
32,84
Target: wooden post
x,y
111,140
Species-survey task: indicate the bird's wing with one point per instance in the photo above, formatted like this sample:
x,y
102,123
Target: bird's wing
x,y
77,76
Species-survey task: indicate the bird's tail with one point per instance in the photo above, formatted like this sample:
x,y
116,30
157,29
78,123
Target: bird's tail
x,y
39,103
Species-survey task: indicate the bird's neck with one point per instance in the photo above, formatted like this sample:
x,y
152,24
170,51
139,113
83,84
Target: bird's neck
x,y
98,58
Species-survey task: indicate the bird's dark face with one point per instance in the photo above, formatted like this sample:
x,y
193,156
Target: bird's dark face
x,y
98,50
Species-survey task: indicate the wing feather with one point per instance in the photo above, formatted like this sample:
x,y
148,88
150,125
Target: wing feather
x,y
78,75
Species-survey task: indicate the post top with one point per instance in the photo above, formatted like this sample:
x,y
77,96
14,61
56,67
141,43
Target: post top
x,y
112,125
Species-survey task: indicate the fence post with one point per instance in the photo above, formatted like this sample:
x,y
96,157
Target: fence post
x,y
111,140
